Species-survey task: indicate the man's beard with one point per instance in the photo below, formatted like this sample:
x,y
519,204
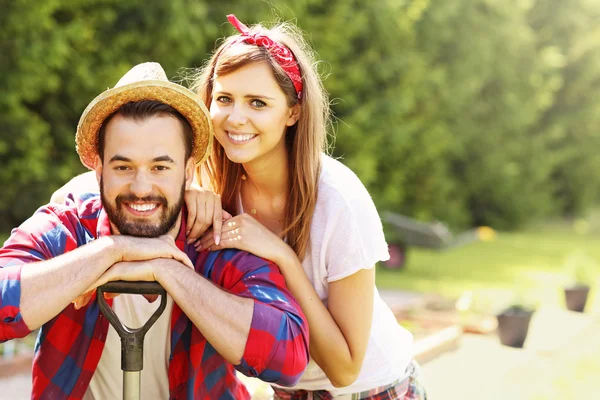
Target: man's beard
x,y
142,228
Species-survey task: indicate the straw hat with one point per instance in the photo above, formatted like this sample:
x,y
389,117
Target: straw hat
x,y
146,81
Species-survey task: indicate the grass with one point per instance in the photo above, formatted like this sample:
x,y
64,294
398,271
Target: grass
x,y
530,263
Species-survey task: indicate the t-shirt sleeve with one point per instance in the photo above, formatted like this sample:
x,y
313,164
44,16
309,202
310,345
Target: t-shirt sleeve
x,y
354,234
80,187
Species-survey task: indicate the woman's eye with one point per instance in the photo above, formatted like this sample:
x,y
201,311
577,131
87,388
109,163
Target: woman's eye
x,y
258,103
121,168
223,99
161,168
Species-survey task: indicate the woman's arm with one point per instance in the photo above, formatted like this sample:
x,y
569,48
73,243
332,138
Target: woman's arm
x,y
339,333
84,183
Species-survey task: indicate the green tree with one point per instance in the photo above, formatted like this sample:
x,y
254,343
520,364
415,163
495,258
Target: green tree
x,y
56,57
569,34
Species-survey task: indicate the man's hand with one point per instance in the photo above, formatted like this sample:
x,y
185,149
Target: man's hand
x,y
121,271
138,258
141,249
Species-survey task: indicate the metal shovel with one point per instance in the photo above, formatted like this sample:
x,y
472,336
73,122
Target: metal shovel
x,y
132,340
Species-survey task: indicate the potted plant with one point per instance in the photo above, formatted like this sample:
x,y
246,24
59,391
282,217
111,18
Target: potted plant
x,y
581,269
513,322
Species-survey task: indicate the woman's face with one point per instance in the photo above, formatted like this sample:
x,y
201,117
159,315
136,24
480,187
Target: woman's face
x,y
250,115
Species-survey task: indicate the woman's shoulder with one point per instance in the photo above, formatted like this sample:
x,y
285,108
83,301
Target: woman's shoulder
x,y
81,185
338,183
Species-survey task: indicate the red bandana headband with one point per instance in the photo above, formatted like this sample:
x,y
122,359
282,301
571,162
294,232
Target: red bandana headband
x,y
284,56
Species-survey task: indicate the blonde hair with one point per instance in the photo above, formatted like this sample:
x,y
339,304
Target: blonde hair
x,y
305,140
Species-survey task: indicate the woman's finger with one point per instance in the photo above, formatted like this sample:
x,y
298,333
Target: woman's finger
x,y
203,219
190,203
203,239
204,244
217,219
208,238
230,242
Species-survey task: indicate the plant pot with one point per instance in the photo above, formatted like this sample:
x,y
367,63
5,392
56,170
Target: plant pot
x,y
513,325
576,297
397,259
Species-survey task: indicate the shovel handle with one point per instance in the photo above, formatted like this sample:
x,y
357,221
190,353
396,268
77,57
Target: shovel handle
x,y
133,287
132,340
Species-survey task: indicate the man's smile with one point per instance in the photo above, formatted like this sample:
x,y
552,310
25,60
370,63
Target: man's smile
x,y
141,209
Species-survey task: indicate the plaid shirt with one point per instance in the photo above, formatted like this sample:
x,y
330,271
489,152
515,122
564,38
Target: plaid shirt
x,y
69,346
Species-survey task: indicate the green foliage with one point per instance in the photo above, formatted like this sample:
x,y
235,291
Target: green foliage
x,y
473,112
56,57
581,269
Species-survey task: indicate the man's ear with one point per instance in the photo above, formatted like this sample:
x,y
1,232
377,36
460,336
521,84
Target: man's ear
x,y
190,168
98,169
294,115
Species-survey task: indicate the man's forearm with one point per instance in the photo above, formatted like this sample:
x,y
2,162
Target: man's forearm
x,y
47,287
223,318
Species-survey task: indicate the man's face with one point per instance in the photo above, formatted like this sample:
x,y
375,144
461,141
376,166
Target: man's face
x,y
144,175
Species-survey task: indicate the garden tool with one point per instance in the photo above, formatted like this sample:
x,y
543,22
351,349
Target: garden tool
x,y
132,340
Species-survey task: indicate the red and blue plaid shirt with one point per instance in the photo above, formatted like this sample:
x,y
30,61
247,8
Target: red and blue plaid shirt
x,y
69,346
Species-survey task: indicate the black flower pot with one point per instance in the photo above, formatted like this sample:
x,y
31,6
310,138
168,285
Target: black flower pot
x,y
513,325
576,297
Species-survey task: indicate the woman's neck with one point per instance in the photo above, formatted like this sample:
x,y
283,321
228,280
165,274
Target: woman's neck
x,y
269,179
264,194
269,183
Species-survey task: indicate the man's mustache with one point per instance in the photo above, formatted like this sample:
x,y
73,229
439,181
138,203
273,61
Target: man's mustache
x,y
130,198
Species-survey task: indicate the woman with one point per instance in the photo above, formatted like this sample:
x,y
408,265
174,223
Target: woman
x,y
303,210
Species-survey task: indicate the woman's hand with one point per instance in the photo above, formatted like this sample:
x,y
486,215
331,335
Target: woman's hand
x,y
246,233
204,209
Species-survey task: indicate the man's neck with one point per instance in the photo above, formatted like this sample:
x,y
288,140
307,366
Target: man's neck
x,y
174,231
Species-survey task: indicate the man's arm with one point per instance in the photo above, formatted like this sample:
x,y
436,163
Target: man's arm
x,y
37,280
42,270
251,318
48,287
223,318
248,316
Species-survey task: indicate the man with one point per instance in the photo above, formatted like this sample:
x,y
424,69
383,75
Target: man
x,y
226,310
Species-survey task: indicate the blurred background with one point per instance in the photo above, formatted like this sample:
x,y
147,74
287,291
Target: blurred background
x,y
474,123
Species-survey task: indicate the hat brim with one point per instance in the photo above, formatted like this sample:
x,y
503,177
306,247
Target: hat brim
x,y
177,96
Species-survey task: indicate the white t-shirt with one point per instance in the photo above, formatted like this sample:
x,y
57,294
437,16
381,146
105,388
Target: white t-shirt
x,y
346,236
133,311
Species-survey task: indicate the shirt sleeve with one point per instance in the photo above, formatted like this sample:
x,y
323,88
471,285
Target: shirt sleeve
x,y
355,238
277,346
39,238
